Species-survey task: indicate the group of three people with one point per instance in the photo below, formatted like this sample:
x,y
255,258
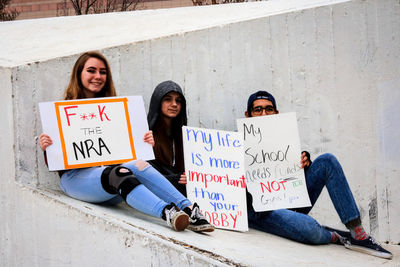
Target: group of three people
x,y
159,189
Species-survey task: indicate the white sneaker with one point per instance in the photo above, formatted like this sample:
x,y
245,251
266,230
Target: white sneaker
x,y
176,218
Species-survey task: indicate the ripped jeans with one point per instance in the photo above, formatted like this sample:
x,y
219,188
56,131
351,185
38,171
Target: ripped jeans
x,y
150,197
296,224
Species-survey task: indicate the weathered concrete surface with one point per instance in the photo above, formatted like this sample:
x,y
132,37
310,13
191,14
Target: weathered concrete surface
x,y
58,231
80,234
333,62
71,35
7,177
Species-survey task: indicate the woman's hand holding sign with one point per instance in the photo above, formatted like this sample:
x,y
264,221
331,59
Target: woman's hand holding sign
x,y
183,179
44,141
148,138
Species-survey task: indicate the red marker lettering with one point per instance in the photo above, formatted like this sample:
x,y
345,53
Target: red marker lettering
x,y
215,220
275,185
224,221
69,114
101,113
234,218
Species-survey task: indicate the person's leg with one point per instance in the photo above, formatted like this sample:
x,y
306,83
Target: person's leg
x,y
160,186
170,175
327,171
114,201
145,201
120,180
157,183
85,184
290,224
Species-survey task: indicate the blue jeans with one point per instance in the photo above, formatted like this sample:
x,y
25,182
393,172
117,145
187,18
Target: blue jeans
x,y
150,197
297,225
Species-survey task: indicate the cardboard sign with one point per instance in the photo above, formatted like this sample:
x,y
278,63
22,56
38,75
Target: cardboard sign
x,y
215,173
94,132
272,161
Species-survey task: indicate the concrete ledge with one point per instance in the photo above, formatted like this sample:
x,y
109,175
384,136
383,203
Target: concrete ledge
x,y
137,239
65,36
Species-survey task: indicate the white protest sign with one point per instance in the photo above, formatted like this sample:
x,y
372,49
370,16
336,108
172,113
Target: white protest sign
x,y
272,161
215,174
94,132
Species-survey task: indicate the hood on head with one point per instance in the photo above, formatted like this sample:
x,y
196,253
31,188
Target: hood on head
x,y
155,102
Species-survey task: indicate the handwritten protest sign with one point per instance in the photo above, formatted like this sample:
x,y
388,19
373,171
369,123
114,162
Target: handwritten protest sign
x,y
93,132
215,172
272,162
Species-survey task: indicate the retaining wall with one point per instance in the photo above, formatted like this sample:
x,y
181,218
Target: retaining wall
x,y
333,62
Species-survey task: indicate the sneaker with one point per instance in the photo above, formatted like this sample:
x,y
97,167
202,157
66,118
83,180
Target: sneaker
x,y
198,223
175,218
368,246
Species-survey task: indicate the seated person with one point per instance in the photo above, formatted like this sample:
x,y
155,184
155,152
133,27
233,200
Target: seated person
x,y
139,184
296,224
167,115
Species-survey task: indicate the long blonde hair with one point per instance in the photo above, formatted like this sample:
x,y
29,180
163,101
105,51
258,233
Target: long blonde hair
x,y
75,89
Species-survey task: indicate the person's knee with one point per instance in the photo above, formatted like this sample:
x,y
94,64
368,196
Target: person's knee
x,y
118,180
141,164
315,234
328,158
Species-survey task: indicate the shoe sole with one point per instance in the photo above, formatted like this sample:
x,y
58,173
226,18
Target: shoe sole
x,y
369,251
180,222
201,228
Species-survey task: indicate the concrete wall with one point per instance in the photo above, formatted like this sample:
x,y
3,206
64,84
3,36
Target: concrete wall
x,y
333,62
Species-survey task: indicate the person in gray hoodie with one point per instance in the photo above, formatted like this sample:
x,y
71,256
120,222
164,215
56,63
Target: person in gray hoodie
x,y
167,115
166,125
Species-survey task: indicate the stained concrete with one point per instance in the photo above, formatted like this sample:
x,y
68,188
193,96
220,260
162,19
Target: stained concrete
x,y
81,234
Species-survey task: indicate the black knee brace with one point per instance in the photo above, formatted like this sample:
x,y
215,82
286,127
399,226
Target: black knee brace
x,y
116,182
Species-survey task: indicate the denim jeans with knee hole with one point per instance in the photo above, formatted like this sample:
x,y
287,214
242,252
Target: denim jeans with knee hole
x,y
150,197
296,224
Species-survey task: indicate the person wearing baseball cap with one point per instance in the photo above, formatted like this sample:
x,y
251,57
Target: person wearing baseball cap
x,y
295,224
